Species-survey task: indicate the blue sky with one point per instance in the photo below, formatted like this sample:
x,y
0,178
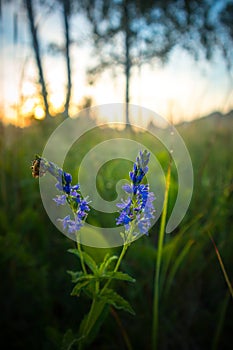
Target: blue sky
x,y
184,89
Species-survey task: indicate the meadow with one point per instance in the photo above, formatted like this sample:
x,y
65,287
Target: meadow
x,y
196,307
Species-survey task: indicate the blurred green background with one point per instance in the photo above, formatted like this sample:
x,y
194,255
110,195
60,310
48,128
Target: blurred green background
x,y
195,307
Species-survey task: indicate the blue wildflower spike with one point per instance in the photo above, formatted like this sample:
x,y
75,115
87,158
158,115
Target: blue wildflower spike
x,y
140,167
71,194
138,207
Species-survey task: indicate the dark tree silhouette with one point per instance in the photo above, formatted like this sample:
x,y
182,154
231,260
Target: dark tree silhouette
x,y
36,47
127,33
226,22
66,16
65,10
124,35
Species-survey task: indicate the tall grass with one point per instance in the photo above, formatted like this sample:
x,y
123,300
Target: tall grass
x,y
193,294
157,286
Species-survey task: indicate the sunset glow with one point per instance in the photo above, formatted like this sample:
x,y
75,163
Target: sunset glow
x,y
56,103
182,90
39,112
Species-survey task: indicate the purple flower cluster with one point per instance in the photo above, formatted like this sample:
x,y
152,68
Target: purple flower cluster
x,y
71,195
138,207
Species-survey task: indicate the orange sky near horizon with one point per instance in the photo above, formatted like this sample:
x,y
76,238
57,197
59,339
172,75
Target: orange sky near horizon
x,y
182,90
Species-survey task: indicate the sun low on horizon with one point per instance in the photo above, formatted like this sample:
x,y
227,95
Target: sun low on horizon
x,y
181,90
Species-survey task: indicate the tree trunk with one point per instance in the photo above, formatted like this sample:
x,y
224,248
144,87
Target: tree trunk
x,y
127,61
35,43
66,14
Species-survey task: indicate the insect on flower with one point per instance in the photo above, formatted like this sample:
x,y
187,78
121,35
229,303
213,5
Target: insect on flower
x,y
71,193
37,171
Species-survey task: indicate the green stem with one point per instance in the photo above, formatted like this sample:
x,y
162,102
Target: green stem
x,y
124,249
87,327
96,307
81,255
222,266
79,246
155,322
93,313
89,318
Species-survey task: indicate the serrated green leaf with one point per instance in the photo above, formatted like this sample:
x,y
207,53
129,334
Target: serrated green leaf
x,y
74,251
102,265
89,261
86,277
107,261
109,296
118,276
75,275
78,287
88,332
110,260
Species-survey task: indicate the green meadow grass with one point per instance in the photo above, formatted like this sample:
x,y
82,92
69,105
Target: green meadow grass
x,y
195,306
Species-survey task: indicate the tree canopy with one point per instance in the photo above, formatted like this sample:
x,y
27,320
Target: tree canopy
x,y
129,33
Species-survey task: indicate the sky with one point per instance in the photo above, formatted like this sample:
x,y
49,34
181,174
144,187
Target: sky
x,y
182,90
